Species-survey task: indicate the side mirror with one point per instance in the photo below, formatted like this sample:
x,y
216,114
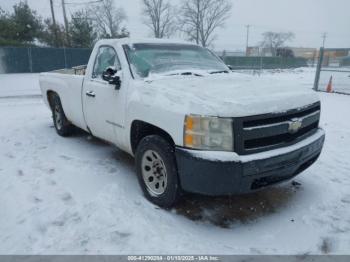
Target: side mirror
x,y
110,75
230,67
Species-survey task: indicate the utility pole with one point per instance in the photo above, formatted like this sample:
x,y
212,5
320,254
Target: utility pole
x,y
324,36
65,21
53,13
54,22
247,43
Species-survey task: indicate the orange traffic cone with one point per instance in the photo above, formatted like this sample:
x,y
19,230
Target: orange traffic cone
x,y
330,85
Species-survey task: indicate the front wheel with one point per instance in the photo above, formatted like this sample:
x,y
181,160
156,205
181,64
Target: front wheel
x,y
157,171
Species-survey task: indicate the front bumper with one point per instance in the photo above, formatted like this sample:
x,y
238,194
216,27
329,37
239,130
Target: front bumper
x,y
228,173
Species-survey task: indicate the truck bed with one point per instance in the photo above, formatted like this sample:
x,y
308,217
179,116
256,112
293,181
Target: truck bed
x,y
77,70
68,83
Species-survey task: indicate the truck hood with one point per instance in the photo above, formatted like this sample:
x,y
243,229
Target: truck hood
x,y
225,95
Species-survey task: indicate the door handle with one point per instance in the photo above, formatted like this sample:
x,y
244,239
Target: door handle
x,y
90,93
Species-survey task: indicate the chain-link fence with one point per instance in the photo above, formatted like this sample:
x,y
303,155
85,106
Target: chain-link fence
x,y
264,62
36,59
333,70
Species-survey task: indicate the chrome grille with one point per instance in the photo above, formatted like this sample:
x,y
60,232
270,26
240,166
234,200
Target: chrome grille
x,y
265,132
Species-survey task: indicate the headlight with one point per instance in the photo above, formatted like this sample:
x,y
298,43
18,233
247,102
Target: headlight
x,y
208,133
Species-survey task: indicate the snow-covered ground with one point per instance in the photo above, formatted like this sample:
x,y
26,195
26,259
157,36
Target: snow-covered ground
x,y
79,195
19,85
340,80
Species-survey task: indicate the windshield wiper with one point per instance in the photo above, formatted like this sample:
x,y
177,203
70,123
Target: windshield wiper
x,y
186,74
219,72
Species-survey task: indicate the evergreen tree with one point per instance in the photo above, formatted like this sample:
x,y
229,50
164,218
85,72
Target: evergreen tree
x,y
7,29
27,24
82,33
53,35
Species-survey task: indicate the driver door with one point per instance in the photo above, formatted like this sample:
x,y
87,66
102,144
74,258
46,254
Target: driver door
x,y
101,99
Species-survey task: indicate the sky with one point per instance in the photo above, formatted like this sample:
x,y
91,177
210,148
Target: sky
x,y
308,19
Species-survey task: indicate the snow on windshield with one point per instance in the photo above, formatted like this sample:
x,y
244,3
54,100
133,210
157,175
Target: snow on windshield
x,y
163,58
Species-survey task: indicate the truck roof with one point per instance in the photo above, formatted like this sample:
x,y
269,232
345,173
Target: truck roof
x,y
128,40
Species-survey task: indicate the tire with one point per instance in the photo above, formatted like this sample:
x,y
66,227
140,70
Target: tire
x,y
156,164
62,125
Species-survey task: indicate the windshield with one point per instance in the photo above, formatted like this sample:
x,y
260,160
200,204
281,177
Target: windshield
x,y
146,59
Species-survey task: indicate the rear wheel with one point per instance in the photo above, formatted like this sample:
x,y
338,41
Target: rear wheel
x,y
62,125
157,171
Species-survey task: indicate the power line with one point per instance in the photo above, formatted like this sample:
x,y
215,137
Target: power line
x,y
84,3
266,27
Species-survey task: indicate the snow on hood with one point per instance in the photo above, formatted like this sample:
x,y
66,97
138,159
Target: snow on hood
x,y
225,95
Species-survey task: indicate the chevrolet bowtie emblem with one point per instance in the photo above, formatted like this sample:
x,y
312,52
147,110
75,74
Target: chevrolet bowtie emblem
x,y
295,125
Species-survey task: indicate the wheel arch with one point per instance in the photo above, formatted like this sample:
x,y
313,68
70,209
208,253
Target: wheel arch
x,y
140,129
49,94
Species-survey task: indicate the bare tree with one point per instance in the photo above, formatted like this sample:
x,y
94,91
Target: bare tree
x,y
200,18
274,40
109,20
159,17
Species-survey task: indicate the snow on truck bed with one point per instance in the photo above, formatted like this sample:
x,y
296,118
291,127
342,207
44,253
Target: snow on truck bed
x,y
78,195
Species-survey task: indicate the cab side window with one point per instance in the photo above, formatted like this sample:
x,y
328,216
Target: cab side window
x,y
106,57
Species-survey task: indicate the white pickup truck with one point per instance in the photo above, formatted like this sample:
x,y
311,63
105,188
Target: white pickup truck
x,y
191,123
